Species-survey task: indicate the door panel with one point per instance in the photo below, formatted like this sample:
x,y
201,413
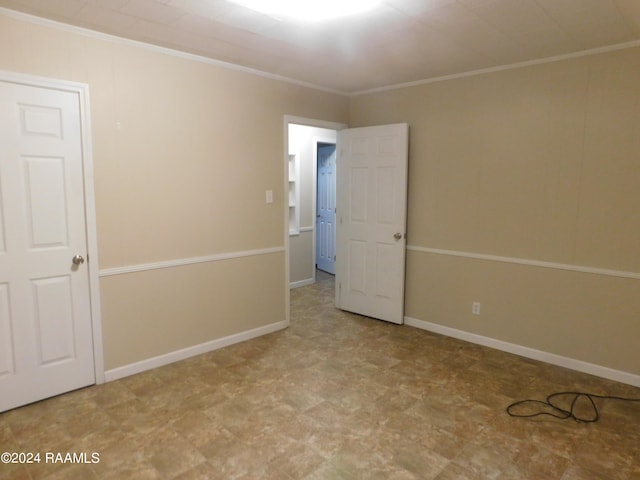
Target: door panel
x,y
385,191
41,120
46,344
6,336
46,201
54,319
357,268
371,221
358,194
384,264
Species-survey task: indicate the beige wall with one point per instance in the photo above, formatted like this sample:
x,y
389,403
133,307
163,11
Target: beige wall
x,y
539,163
183,153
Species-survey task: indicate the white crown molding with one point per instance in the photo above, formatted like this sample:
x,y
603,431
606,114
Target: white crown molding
x,y
559,360
525,261
45,22
500,68
179,262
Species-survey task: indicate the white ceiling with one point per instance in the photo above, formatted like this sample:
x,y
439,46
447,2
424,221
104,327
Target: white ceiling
x,y
402,41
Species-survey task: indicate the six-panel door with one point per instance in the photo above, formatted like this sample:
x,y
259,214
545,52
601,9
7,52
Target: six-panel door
x,y
371,221
46,343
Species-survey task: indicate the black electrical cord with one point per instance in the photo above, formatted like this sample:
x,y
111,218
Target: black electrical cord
x,y
563,413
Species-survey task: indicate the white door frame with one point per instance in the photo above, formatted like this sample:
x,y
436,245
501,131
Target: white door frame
x,y
82,90
285,188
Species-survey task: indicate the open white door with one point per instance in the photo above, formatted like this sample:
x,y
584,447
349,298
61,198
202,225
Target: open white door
x,y
371,220
46,342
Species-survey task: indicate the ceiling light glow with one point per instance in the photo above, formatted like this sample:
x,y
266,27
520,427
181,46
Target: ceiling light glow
x,y
309,10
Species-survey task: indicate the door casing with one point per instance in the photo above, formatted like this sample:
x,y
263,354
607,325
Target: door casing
x,y
289,119
82,90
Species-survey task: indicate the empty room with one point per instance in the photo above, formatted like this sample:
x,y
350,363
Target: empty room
x,y
388,239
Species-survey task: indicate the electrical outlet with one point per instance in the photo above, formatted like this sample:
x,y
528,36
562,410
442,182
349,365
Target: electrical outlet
x,y
475,308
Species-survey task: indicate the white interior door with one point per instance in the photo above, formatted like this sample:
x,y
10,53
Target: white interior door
x,y
371,220
46,343
326,209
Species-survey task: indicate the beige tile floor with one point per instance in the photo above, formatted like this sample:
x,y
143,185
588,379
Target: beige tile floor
x,y
334,396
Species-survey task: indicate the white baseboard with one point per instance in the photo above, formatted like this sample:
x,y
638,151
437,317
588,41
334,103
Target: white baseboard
x,y
302,283
188,352
571,363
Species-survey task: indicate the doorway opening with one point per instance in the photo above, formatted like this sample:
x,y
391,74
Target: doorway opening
x,y
311,190
302,138
372,193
